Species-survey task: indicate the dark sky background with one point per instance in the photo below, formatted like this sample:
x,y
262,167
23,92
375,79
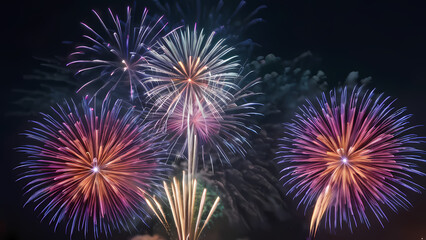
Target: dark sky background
x,y
382,39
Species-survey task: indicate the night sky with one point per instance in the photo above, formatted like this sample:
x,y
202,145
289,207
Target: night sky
x,y
382,39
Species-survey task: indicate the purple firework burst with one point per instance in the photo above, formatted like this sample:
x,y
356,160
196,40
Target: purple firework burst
x,y
115,55
350,155
91,169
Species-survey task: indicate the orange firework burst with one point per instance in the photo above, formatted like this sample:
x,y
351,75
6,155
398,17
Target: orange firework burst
x,y
350,155
89,169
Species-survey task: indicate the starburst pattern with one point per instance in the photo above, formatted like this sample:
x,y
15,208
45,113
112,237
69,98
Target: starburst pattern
x,y
197,89
189,70
114,55
88,168
350,155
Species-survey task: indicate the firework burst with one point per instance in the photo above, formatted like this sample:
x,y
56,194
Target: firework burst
x,y
197,88
88,169
350,155
114,55
189,70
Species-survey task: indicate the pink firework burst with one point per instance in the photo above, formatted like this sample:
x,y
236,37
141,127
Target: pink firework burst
x,y
204,122
91,169
350,156
222,131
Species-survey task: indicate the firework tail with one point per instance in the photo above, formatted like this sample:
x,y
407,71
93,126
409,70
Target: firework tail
x,y
181,198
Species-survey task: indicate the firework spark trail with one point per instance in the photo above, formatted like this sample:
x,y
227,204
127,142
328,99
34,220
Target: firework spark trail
x,y
116,55
182,201
350,156
88,168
